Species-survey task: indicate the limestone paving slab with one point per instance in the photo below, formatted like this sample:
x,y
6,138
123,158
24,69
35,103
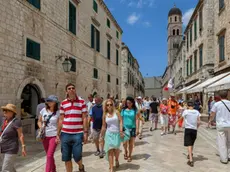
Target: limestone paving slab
x,y
154,153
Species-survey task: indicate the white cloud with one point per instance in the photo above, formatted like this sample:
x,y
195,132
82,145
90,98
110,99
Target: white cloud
x,y
131,3
187,15
139,3
133,18
147,24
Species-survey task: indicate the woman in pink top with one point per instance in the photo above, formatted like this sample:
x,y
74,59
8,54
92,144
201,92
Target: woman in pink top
x,y
164,116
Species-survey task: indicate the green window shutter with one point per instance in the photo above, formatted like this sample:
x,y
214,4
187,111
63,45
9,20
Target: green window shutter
x,y
72,18
117,34
95,6
92,36
108,78
191,66
221,4
195,30
195,61
108,49
187,69
117,81
201,56
117,57
222,48
98,40
35,3
191,36
33,49
108,23
73,66
95,73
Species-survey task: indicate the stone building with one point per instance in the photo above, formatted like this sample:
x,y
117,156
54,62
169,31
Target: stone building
x,y
37,36
222,36
175,37
153,86
132,82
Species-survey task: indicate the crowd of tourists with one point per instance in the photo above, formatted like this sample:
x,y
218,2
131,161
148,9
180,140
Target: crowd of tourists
x,y
108,124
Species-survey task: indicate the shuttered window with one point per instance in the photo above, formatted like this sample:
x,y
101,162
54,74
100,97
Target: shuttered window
x,y
195,30
187,68
108,23
95,38
35,3
201,55
73,66
108,50
191,36
191,66
221,4
72,18
108,78
117,57
33,49
95,6
222,48
95,73
195,61
117,33
117,81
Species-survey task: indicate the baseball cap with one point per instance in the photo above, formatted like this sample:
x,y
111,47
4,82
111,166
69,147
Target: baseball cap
x,y
52,98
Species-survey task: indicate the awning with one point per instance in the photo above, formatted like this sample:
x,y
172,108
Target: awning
x,y
200,87
222,84
185,89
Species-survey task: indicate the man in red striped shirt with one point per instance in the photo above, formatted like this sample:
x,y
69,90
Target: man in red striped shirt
x,y
73,126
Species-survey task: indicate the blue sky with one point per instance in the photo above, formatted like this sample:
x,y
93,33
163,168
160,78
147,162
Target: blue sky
x,y
144,23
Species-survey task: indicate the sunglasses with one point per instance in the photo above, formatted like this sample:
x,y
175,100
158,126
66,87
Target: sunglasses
x,y
109,105
71,88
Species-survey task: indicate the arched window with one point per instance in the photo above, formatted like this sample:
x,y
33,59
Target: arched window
x,y
175,18
178,32
174,32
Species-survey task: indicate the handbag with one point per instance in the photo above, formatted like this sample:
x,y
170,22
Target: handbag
x,y
6,129
42,131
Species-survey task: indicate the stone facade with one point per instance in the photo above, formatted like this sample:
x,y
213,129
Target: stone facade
x,y
49,26
132,82
153,86
222,19
199,36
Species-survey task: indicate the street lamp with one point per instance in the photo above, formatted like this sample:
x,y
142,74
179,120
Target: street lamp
x,y
66,64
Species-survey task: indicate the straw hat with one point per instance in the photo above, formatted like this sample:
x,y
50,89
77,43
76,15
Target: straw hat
x,y
10,107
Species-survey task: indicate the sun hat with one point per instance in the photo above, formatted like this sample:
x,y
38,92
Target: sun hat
x,y
52,98
139,97
10,107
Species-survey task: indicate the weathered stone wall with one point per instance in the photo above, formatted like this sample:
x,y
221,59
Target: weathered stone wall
x,y
19,20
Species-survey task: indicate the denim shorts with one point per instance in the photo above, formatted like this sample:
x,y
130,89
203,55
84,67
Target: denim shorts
x,y
71,144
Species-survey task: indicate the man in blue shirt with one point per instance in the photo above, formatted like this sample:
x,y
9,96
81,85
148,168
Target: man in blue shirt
x,y
97,116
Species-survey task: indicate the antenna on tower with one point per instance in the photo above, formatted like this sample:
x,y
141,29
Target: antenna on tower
x,y
174,4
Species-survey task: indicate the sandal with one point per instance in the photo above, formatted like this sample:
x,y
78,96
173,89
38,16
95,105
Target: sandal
x,y
188,156
111,170
190,163
125,156
129,159
117,164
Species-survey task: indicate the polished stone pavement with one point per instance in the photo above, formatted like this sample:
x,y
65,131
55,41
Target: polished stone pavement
x,y
154,153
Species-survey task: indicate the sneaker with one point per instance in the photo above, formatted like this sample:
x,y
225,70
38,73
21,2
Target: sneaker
x,y
83,169
97,153
224,162
104,153
162,134
101,155
151,129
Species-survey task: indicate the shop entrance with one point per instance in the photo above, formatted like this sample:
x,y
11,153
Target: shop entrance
x,y
30,96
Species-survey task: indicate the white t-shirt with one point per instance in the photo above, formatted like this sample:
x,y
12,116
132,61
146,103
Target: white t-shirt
x,y
191,118
146,104
51,128
89,106
222,114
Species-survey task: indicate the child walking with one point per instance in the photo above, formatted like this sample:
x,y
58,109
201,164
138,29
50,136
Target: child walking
x,y
192,122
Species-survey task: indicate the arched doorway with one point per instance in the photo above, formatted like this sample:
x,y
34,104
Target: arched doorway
x,y
94,94
30,99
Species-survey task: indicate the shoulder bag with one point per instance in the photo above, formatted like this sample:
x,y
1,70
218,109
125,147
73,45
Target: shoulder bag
x,y
6,129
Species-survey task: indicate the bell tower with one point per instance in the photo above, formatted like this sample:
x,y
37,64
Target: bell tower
x,y
175,33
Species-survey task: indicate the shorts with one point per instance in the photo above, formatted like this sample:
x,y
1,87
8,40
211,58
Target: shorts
x,y
153,117
189,137
172,119
132,132
96,134
164,120
71,144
